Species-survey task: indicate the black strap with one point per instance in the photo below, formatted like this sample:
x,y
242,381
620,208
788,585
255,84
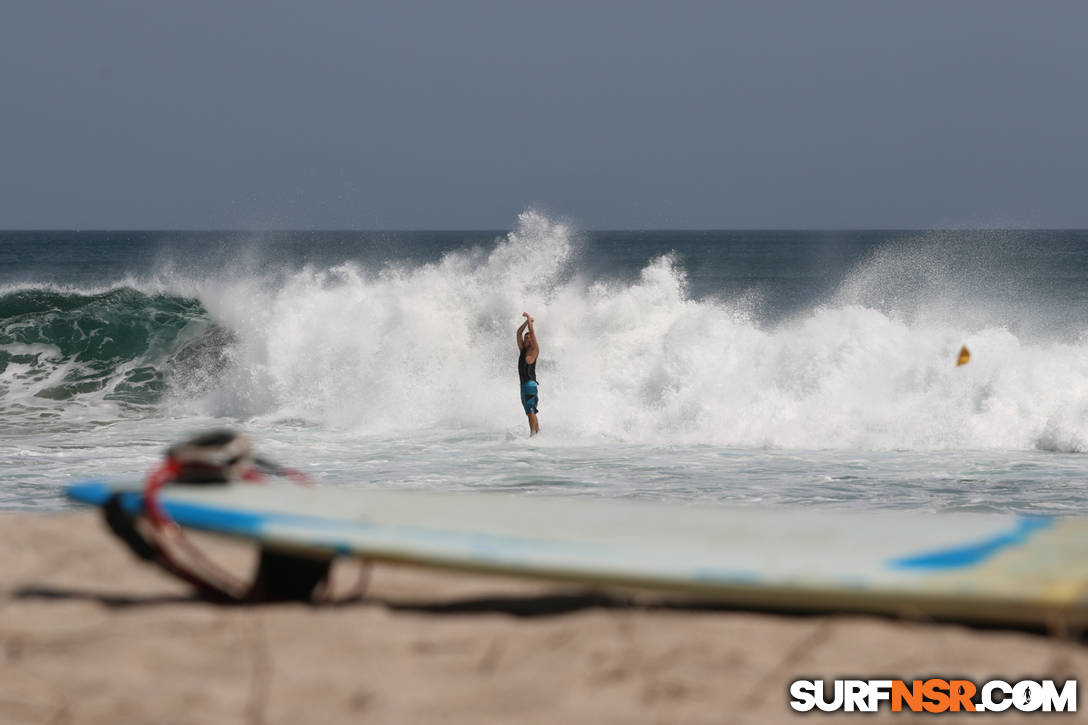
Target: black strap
x,y
123,524
280,576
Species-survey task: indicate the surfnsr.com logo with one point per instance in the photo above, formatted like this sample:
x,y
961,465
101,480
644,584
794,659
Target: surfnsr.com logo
x,y
933,696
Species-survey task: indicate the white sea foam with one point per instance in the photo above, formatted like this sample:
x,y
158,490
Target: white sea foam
x,y
432,346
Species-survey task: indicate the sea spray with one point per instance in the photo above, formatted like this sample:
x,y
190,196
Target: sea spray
x,y
431,346
412,348
395,347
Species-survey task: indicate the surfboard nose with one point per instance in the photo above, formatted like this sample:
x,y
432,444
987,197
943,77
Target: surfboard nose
x,y
92,492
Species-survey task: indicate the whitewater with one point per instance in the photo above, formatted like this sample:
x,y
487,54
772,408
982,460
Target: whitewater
x,y
658,378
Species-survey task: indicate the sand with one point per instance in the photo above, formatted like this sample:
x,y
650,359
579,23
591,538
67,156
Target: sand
x,y
90,635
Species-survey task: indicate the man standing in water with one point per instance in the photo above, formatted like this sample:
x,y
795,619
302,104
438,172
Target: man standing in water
x,y
528,350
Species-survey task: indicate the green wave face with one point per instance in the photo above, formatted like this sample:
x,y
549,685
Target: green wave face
x,y
121,345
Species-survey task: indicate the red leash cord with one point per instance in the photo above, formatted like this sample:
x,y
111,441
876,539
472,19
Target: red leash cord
x,y
168,540
165,529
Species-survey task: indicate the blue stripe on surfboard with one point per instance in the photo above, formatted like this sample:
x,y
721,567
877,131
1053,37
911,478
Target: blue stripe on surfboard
x,y
255,525
93,492
957,557
204,517
200,516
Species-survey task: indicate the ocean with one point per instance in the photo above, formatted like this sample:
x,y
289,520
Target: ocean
x,y
805,368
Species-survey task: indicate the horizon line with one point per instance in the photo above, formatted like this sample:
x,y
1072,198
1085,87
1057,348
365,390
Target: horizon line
x,y
500,230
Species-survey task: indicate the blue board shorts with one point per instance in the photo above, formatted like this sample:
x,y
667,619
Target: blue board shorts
x,y
529,397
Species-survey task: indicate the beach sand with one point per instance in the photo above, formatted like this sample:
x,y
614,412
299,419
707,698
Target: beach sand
x,y
90,635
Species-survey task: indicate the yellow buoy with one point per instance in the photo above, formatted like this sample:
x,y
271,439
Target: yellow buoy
x,y
965,356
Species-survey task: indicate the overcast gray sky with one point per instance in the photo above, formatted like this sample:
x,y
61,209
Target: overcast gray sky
x,y
364,115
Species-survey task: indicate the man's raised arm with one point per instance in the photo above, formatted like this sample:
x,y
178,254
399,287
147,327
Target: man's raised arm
x,y
517,335
532,336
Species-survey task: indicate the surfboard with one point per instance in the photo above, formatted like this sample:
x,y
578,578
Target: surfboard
x,y
967,567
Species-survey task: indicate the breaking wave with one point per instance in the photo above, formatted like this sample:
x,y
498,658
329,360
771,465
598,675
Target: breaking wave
x,y
416,346
119,346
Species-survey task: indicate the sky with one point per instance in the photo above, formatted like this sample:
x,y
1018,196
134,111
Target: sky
x,y
129,114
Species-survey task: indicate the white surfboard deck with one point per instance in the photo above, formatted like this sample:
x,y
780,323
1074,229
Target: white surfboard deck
x,y
971,567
